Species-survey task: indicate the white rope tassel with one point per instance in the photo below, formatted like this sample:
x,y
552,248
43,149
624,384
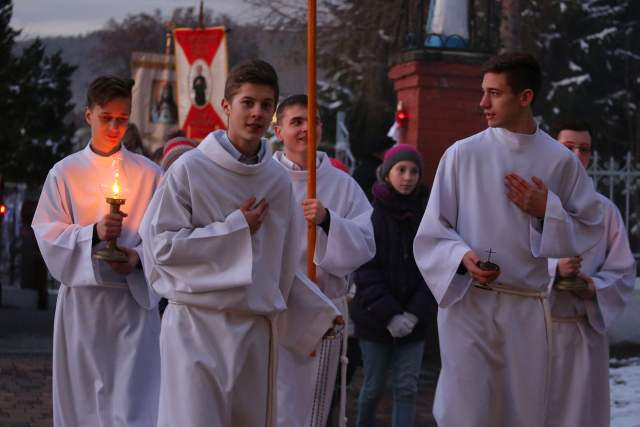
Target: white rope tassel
x,y
344,362
317,409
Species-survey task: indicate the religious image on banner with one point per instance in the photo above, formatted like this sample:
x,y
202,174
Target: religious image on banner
x,y
154,106
163,103
201,70
199,84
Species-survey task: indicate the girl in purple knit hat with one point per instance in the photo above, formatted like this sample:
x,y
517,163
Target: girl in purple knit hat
x,y
393,307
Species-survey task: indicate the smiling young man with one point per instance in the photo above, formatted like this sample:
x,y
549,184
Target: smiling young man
x,y
221,241
580,370
345,241
105,348
512,190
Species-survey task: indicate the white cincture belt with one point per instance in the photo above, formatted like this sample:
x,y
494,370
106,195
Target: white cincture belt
x,y
273,359
110,285
541,296
572,319
342,303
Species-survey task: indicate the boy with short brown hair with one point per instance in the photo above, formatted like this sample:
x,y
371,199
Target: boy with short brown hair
x,y
105,339
221,242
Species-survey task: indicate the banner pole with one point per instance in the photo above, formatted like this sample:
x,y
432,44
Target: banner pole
x,y
201,17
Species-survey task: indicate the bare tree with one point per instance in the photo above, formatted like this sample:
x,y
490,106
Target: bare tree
x,y
145,32
511,25
355,42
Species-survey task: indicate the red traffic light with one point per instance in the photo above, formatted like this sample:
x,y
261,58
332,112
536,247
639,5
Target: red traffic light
x,y
3,209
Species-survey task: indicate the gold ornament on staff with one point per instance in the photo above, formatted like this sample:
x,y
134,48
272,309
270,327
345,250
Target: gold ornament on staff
x,y
111,252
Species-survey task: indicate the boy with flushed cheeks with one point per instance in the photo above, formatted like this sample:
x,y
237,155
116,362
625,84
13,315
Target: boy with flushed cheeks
x,y
345,241
106,325
581,319
253,106
292,130
221,238
514,193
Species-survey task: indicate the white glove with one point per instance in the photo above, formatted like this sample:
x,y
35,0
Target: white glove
x,y
412,318
401,325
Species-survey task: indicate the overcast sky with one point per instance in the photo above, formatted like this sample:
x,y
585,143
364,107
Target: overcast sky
x,y
71,17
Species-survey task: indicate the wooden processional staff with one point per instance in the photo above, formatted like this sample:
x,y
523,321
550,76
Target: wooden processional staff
x,y
328,342
311,132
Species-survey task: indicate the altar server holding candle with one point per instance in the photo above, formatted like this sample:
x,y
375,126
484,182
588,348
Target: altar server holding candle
x,y
106,329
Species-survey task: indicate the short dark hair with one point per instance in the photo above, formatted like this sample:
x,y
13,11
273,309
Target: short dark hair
x,y
257,72
299,99
105,88
575,125
522,70
176,133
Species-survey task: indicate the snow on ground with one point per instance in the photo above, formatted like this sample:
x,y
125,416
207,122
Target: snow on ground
x,y
624,379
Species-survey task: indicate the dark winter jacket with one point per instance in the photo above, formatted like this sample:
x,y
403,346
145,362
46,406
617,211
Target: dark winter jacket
x,y
391,283
365,173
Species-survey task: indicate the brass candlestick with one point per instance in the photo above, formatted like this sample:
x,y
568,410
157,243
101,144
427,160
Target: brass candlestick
x,y
569,284
573,283
111,252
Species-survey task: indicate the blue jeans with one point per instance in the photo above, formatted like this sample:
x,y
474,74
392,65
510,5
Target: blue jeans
x,y
405,361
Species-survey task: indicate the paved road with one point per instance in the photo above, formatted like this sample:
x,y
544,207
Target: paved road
x,y
25,390
25,367
25,375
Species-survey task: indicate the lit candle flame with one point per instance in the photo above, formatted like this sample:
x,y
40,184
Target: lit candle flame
x,y
116,184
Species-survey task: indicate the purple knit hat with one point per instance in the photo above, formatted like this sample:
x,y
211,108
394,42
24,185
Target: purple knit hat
x,y
398,153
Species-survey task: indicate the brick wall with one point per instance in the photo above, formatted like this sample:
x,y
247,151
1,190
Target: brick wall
x,y
440,93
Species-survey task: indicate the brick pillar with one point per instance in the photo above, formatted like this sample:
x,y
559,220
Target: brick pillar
x,y
440,91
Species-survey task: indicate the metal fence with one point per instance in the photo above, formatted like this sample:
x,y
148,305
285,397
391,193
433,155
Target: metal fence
x,y
619,181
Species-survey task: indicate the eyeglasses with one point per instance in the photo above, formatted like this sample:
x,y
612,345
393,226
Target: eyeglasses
x,y
583,149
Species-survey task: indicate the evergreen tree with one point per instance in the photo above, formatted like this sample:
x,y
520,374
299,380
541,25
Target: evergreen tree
x,y
7,87
149,32
590,52
34,130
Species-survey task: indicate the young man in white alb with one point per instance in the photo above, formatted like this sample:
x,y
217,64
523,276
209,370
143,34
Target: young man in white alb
x,y
515,192
106,365
579,389
342,215
221,242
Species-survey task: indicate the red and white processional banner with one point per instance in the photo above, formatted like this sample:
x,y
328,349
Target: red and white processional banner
x,y
153,109
201,72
